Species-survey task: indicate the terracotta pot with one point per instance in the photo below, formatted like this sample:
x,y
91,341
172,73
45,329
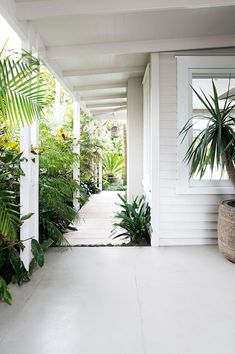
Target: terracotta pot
x,y
226,229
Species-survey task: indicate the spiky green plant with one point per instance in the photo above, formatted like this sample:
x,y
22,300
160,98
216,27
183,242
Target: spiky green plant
x,y
214,146
133,221
113,164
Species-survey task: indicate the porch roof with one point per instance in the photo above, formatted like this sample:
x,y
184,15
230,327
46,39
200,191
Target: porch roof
x,y
94,47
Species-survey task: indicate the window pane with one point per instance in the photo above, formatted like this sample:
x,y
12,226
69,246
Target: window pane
x,y
200,113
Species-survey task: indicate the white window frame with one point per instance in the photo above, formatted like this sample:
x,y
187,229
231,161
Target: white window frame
x,y
187,66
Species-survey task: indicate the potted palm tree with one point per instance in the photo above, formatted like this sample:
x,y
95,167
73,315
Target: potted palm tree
x,y
214,147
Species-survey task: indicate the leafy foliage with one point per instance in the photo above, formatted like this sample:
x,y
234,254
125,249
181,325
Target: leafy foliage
x,y
89,150
23,91
22,99
11,267
113,164
214,146
57,186
134,220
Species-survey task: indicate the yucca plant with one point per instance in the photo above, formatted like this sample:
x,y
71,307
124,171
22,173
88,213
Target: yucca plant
x,y
214,146
133,221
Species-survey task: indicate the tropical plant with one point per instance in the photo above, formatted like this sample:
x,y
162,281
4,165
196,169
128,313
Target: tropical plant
x,y
57,186
113,164
214,146
133,221
23,97
11,267
23,93
89,151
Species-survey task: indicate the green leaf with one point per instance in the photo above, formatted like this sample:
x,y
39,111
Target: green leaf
x,y
37,252
46,244
5,294
26,217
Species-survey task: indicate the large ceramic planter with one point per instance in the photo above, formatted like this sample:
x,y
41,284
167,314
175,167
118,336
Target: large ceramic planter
x,y
226,229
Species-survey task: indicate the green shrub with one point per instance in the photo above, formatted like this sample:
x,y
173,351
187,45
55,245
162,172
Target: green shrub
x,y
23,97
133,221
57,186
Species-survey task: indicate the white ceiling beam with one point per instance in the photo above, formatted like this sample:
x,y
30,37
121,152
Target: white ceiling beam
x,y
96,113
145,46
105,105
111,116
122,85
30,10
115,96
104,71
26,32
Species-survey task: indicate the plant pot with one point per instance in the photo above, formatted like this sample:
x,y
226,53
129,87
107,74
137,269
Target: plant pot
x,y
226,229
112,179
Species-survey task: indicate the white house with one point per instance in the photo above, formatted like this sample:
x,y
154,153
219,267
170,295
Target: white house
x,y
136,60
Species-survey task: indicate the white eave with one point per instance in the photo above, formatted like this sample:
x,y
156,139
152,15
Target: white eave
x,y
94,47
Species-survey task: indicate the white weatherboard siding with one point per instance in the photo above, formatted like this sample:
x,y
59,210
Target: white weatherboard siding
x,y
184,218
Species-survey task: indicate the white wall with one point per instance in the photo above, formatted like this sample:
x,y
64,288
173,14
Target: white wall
x,y
184,219
134,137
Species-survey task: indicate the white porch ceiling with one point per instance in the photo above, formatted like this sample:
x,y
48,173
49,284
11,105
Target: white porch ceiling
x,y
95,46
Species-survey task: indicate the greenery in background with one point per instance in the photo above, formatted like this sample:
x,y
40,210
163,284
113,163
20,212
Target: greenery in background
x,y
89,152
57,160
113,165
214,146
56,184
133,221
22,99
113,158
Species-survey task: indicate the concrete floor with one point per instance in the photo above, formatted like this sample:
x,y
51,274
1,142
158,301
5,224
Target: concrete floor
x,y
96,221
125,300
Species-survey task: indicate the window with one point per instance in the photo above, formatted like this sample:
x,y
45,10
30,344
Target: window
x,y
199,72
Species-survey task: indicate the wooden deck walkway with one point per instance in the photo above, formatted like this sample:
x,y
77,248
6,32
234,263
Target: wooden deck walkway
x,y
95,223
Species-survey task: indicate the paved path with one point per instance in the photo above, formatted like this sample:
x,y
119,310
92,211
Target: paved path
x,y
95,224
124,300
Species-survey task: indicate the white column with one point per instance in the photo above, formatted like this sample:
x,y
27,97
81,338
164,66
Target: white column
x,y
26,229
134,137
155,148
34,164
100,161
93,164
29,183
76,134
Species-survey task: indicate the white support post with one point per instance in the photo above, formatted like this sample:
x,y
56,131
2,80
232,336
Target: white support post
x,y
29,183
134,138
93,166
155,148
26,194
100,160
76,133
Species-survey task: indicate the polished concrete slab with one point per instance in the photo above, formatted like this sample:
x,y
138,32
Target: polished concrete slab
x,y
95,222
129,300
